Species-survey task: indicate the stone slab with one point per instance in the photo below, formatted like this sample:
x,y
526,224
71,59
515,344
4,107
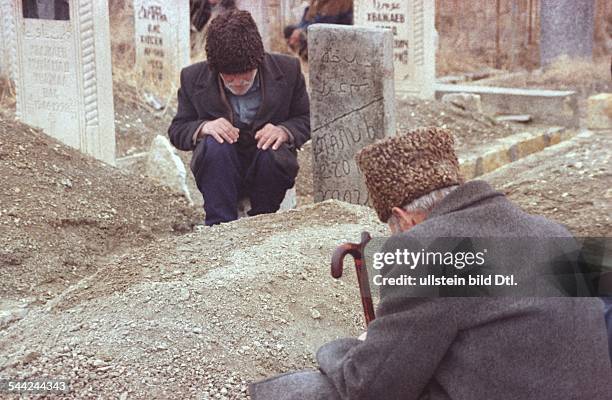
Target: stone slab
x,y
63,77
414,36
600,111
162,44
550,107
166,167
509,149
352,104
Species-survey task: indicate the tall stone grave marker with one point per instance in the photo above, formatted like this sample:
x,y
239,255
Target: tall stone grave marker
x,y
414,49
566,28
63,74
8,49
259,11
352,104
162,41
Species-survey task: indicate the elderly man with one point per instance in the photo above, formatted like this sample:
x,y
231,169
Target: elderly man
x,y
456,347
244,113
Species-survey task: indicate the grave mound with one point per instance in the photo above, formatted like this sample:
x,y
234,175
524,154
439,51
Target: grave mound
x,y
60,211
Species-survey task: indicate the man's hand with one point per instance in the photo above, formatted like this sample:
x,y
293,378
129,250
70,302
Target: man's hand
x,y
271,135
221,130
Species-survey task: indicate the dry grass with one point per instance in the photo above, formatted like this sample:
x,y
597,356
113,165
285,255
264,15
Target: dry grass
x,y
7,94
585,77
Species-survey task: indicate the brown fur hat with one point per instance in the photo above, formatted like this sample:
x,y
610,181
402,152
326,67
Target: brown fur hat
x,y
401,169
233,43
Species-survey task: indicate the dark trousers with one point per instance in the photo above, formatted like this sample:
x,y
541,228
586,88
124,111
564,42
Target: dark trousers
x,y
226,173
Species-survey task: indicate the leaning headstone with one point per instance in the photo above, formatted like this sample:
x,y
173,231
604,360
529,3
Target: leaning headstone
x,y
162,42
414,47
63,75
8,49
352,104
261,15
166,167
566,28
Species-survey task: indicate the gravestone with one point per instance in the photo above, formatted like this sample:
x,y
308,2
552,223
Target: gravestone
x,y
8,50
414,51
63,75
162,48
566,28
260,13
352,104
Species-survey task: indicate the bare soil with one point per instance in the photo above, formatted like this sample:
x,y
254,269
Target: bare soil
x,y
62,212
569,183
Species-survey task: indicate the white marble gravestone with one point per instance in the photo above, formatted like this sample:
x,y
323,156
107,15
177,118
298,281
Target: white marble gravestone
x,y
414,51
162,42
352,104
259,11
63,77
8,49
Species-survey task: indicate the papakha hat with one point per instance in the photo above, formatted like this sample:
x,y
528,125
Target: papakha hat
x,y
400,169
233,43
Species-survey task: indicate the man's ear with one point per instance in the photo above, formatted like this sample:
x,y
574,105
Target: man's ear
x,y
403,218
407,219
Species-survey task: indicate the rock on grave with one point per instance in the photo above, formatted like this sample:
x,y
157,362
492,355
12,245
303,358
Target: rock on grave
x,y
566,28
600,111
414,40
162,45
465,101
352,104
166,167
63,75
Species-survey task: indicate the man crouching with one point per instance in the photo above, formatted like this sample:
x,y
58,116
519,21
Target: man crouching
x,y
243,113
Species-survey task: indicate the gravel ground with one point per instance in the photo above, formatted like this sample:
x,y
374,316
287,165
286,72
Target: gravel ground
x,y
198,316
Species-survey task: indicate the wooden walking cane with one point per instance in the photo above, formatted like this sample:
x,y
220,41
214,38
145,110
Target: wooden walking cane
x,y
357,251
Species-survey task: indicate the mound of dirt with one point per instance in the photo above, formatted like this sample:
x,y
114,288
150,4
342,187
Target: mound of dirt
x,y
199,316
60,211
568,183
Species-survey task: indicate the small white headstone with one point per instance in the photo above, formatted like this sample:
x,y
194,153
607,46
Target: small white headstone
x,y
166,167
162,41
414,48
63,76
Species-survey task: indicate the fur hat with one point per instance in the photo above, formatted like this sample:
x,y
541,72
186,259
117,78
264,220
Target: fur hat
x,y
233,43
401,169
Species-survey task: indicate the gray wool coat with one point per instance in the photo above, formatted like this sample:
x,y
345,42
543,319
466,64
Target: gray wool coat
x,y
466,348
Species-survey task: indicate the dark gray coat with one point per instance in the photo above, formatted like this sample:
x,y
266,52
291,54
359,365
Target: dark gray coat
x,y
285,100
467,348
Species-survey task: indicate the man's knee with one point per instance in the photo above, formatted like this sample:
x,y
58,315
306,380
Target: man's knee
x,y
212,156
281,160
216,151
